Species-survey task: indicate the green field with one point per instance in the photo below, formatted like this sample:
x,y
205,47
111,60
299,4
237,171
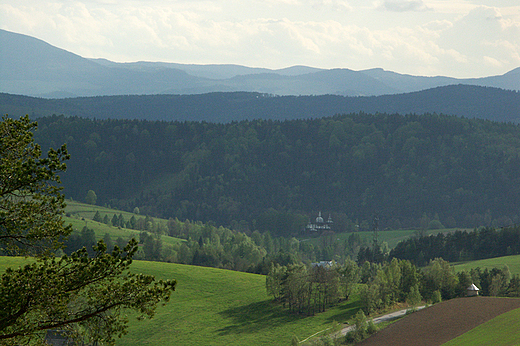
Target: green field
x,y
513,262
500,331
12,262
219,307
80,215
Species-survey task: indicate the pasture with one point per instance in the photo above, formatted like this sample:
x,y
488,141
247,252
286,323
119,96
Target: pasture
x,y
218,307
513,262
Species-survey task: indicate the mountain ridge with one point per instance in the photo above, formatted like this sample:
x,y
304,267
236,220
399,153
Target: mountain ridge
x,y
460,100
32,67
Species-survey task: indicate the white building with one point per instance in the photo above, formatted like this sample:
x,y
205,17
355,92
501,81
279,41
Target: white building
x,y
319,226
472,290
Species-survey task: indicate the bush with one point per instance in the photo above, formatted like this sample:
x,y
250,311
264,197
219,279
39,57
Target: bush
x,y
371,327
363,328
436,297
414,296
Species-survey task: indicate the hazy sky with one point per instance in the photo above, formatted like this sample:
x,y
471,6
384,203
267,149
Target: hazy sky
x,y
458,38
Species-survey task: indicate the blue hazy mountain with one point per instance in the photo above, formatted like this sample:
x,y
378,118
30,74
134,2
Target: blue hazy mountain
x,y
29,66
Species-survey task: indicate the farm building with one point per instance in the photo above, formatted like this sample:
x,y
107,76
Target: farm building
x,y
472,290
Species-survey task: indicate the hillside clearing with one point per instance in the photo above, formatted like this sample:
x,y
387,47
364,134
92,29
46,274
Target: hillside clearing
x,y
80,215
221,307
513,262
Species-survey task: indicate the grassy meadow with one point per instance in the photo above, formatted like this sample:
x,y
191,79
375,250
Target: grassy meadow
x,y
80,215
513,262
218,307
222,307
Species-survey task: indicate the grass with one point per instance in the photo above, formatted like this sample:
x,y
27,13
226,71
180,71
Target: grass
x,y
513,262
12,262
80,215
219,307
500,331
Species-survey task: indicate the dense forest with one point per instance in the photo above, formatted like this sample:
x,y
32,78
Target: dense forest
x,y
460,245
461,100
273,175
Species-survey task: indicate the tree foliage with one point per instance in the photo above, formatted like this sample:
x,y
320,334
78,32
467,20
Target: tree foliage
x,y
83,297
30,204
414,170
460,245
309,289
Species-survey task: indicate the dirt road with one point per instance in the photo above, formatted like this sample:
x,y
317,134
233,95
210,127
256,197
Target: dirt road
x,y
383,318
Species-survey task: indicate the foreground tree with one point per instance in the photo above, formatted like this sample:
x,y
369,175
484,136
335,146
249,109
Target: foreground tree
x,y
82,297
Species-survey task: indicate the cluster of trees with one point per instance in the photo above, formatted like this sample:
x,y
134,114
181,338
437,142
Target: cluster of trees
x,y
440,280
211,246
310,289
220,247
494,282
271,175
145,223
460,245
85,297
86,238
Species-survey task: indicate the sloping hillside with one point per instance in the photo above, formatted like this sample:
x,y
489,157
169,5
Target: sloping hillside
x,y
513,263
400,166
461,100
218,307
442,322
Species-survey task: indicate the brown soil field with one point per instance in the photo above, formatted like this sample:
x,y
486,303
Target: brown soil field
x,y
442,322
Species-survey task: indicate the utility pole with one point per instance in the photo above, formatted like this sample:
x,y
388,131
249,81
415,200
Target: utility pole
x,y
375,230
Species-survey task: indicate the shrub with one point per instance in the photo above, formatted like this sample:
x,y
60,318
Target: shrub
x,y
436,297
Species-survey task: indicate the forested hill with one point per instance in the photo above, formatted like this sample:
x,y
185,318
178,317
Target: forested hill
x,y
274,175
462,100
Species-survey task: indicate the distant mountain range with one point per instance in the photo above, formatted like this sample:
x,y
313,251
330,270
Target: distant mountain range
x,y
32,67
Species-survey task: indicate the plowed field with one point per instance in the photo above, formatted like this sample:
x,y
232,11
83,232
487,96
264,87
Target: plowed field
x,y
442,322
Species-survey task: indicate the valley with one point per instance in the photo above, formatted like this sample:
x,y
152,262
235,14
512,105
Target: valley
x,y
254,206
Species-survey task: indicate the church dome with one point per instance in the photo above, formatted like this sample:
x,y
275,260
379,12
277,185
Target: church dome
x,y
319,219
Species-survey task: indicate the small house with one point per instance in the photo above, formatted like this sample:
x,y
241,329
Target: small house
x,y
472,290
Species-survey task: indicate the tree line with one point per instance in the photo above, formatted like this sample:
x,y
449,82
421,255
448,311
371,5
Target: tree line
x,y
461,100
205,244
309,289
460,245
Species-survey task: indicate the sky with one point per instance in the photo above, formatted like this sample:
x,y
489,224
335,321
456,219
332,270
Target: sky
x,y
456,38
